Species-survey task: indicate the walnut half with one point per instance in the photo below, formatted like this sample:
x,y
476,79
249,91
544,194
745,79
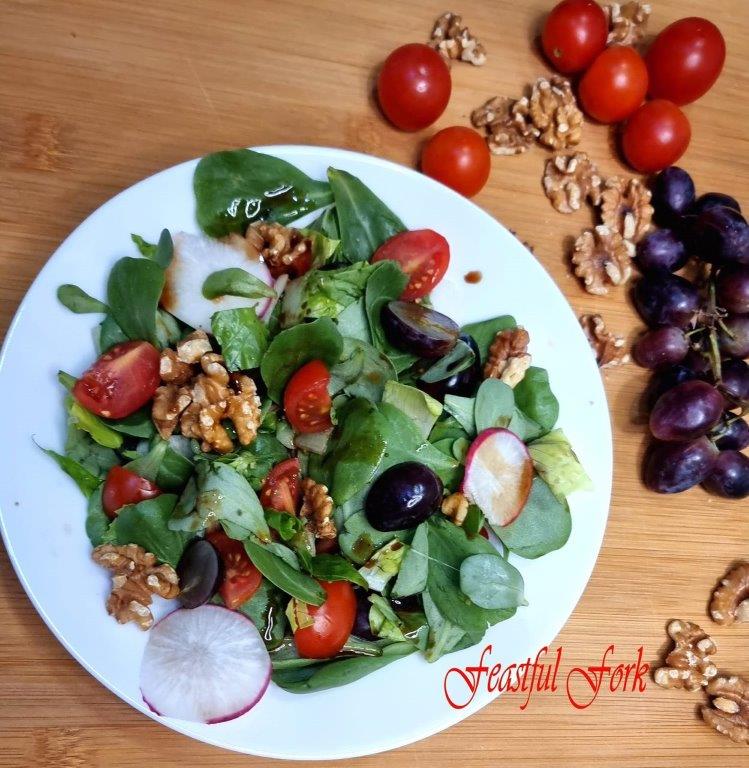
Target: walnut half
x,y
508,358
730,601
571,179
508,129
554,111
609,349
689,664
729,713
454,41
317,507
455,506
626,208
601,257
627,22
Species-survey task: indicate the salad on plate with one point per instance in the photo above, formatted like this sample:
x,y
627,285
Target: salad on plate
x,y
282,433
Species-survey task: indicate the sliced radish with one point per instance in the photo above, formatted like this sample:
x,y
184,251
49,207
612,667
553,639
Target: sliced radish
x,y
279,287
499,473
205,665
195,258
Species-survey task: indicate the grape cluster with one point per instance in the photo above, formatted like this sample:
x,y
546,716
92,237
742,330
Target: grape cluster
x,y
698,339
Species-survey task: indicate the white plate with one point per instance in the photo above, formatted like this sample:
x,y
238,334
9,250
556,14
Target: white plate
x,y
42,512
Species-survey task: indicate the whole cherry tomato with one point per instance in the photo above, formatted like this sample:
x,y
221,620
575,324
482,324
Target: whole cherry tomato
x,y
122,487
574,34
241,579
282,487
459,158
332,622
615,84
656,136
122,380
685,60
306,400
422,254
413,86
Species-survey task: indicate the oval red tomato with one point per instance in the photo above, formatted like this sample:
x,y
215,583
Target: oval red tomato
x,y
306,400
422,254
413,86
241,579
282,488
120,381
459,158
122,487
615,84
332,622
656,136
685,60
574,34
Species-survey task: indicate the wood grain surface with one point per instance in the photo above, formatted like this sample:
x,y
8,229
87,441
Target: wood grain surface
x,y
96,95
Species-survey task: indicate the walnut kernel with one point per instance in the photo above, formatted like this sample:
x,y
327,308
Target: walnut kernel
x,y
627,22
609,349
729,713
730,602
508,358
455,506
508,129
689,664
571,179
602,257
279,246
454,41
317,507
626,208
554,112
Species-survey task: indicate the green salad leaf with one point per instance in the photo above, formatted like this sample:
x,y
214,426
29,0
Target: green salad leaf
x,y
443,634
495,405
359,540
327,224
484,331
334,568
460,357
84,450
161,253
89,422
133,292
491,582
163,465
362,371
235,281
243,337
534,397
266,611
77,300
462,409
85,480
97,522
412,576
558,465
255,460
421,408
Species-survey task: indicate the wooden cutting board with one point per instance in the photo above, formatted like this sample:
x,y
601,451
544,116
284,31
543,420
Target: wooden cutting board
x,y
96,95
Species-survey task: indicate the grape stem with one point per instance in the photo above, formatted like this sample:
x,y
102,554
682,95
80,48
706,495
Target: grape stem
x,y
712,316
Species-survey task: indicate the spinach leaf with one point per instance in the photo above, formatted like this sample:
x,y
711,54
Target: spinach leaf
x,y
543,525
327,224
334,568
235,188
462,409
144,247
352,322
242,336
236,282
283,575
146,524
169,469
558,465
109,334
292,348
443,634
534,397
85,480
161,253
484,332
460,357
412,576
266,611
138,424
365,221
420,407
133,292
362,371
490,581
286,525
77,300
257,459
323,247
495,405
524,427
89,422
474,521
97,522
81,448
339,671
359,540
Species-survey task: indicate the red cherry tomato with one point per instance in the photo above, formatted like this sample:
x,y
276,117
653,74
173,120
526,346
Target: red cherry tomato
x,y
282,488
459,158
685,60
306,399
241,579
615,84
656,136
123,487
333,622
423,255
120,381
413,86
574,34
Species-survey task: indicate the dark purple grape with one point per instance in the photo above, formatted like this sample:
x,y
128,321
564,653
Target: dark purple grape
x,y
698,362
734,433
418,329
403,496
199,570
664,299
732,288
735,379
673,194
674,467
730,476
719,235
714,200
409,604
736,342
663,346
687,411
661,250
464,384
362,627
666,379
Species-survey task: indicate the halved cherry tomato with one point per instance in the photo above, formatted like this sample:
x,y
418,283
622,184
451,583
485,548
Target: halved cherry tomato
x,y
306,399
413,86
123,487
282,488
120,381
656,136
574,34
241,579
422,254
615,84
333,622
458,157
685,60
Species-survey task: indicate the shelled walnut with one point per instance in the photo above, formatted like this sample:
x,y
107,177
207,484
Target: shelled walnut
x,y
279,246
136,577
689,664
609,349
730,601
453,41
508,357
627,22
729,713
571,179
626,208
508,128
554,112
602,257
317,508
455,506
